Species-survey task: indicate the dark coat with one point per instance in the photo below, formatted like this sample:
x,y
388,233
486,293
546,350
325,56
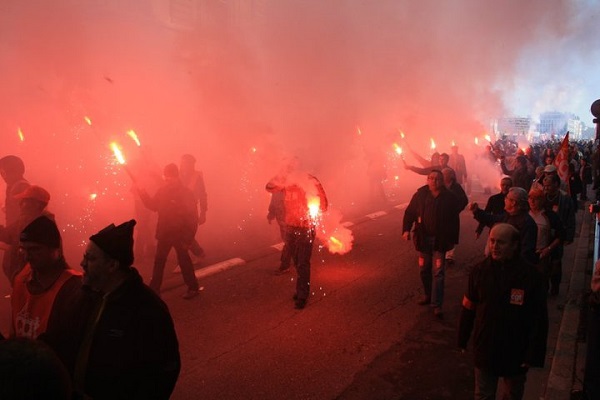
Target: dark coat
x,y
495,205
135,352
445,217
177,211
506,304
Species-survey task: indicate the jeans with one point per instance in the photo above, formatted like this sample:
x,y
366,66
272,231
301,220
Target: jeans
x,y
300,243
163,248
486,384
432,271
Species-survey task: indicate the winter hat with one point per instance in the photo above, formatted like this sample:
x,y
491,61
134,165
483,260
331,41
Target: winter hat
x,y
42,230
117,242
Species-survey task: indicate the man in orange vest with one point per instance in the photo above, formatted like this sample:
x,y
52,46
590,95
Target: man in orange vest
x,y
46,285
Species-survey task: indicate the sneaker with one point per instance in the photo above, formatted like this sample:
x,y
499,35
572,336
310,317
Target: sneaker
x,y
425,300
437,311
190,294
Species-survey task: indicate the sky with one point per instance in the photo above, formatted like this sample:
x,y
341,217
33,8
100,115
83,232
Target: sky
x,y
255,83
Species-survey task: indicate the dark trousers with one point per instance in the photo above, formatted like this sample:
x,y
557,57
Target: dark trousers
x,y
286,256
163,248
486,385
300,243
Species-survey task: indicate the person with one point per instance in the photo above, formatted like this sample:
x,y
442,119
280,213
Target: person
x,y
303,198
538,181
46,285
516,213
12,170
30,370
194,180
495,203
456,189
433,211
176,228
458,164
550,233
33,203
505,307
520,175
585,174
561,203
128,348
575,185
443,160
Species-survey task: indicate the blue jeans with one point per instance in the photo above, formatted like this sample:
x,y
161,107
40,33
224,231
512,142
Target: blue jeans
x,y
432,271
486,384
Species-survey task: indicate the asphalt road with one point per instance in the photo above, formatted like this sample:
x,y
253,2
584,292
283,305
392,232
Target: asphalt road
x,y
243,339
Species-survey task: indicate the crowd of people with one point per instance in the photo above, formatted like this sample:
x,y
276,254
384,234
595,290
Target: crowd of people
x,y
115,337
531,219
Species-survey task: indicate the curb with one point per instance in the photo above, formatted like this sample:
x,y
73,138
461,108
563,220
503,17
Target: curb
x,y
561,380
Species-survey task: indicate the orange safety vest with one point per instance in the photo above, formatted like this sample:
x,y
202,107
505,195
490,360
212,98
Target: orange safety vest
x,y
30,312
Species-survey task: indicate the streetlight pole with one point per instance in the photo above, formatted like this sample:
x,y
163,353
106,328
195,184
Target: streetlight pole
x,y
596,113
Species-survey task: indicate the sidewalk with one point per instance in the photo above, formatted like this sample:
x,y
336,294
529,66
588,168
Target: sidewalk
x,y
566,370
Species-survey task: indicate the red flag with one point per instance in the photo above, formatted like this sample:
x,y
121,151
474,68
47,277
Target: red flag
x,y
562,160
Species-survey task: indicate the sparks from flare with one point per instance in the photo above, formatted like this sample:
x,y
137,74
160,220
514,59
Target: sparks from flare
x,y
20,133
476,141
453,143
88,120
432,145
488,138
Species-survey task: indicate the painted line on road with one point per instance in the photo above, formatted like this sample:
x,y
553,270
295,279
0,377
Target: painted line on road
x,y
376,214
401,206
219,267
278,246
347,224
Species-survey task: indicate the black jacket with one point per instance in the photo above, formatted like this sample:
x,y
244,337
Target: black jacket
x,y
506,304
445,217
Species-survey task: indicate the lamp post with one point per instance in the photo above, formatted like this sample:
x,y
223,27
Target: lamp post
x,y
596,113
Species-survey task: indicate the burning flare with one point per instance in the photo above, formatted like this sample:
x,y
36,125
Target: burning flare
x,y
432,145
88,120
398,149
131,133
117,151
314,207
20,133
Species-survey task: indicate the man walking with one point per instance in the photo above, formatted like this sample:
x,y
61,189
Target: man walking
x,y
505,304
433,210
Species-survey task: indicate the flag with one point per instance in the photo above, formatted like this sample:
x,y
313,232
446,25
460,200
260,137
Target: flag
x,y
561,162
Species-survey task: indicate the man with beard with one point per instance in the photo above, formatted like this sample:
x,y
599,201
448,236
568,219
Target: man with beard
x,y
129,349
46,285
